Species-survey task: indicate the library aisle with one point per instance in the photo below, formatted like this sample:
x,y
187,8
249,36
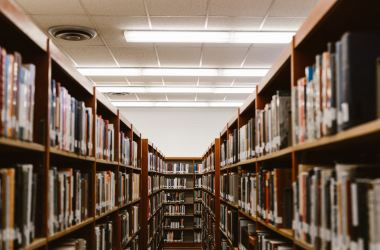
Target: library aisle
x,y
193,124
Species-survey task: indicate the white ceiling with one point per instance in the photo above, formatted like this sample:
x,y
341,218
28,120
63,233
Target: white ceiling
x,y
111,17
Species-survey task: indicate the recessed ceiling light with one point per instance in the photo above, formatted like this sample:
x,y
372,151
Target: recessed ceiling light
x,y
246,72
157,36
164,89
178,104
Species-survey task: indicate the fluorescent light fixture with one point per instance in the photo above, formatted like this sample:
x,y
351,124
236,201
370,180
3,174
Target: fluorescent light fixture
x,y
246,72
178,104
165,89
167,36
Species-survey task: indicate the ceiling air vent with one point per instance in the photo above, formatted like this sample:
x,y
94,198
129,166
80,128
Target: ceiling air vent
x,y
72,33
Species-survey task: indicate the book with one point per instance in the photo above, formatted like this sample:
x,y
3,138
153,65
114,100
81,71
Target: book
x,y
71,244
68,195
17,85
70,121
104,139
103,235
105,191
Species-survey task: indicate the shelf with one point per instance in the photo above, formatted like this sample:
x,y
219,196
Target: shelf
x,y
178,229
37,243
107,162
179,174
129,203
178,189
56,151
177,203
154,192
285,232
225,235
69,230
278,154
133,236
21,145
174,215
130,167
229,203
208,191
106,213
155,212
304,245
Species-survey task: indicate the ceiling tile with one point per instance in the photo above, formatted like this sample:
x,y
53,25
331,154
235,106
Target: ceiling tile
x,y
247,81
141,80
263,55
177,7
152,97
179,56
91,56
51,7
251,8
47,21
108,79
291,8
177,23
203,97
121,97
283,23
112,28
115,7
180,80
236,97
135,56
234,23
223,56
181,97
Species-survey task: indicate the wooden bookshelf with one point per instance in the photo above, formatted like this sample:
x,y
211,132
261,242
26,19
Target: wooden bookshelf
x,y
35,47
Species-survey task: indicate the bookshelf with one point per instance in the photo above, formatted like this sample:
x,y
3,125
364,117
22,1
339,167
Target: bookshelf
x,y
92,162
296,160
179,207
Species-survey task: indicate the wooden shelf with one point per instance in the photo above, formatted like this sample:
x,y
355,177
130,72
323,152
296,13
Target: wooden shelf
x,y
37,243
183,215
97,217
130,167
179,174
21,145
177,203
208,191
129,204
154,192
178,229
229,203
56,151
107,162
304,245
285,232
225,235
132,237
178,189
278,154
69,230
155,212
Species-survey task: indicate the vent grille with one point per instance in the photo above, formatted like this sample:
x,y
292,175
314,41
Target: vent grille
x,y
72,33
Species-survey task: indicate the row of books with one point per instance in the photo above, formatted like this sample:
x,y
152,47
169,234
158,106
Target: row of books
x,y
198,168
197,208
128,151
208,201
330,98
337,207
104,139
198,182
178,168
174,197
103,236
229,187
208,164
197,222
155,224
248,193
17,84
70,121
274,196
273,125
175,210
173,236
208,182
197,237
247,140
208,231
232,150
129,187
68,195
105,185
251,237
155,183
229,222
175,182
174,223
71,244
18,196
130,222
155,163
154,203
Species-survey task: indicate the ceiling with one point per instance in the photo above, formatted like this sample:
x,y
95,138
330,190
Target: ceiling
x,y
109,49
